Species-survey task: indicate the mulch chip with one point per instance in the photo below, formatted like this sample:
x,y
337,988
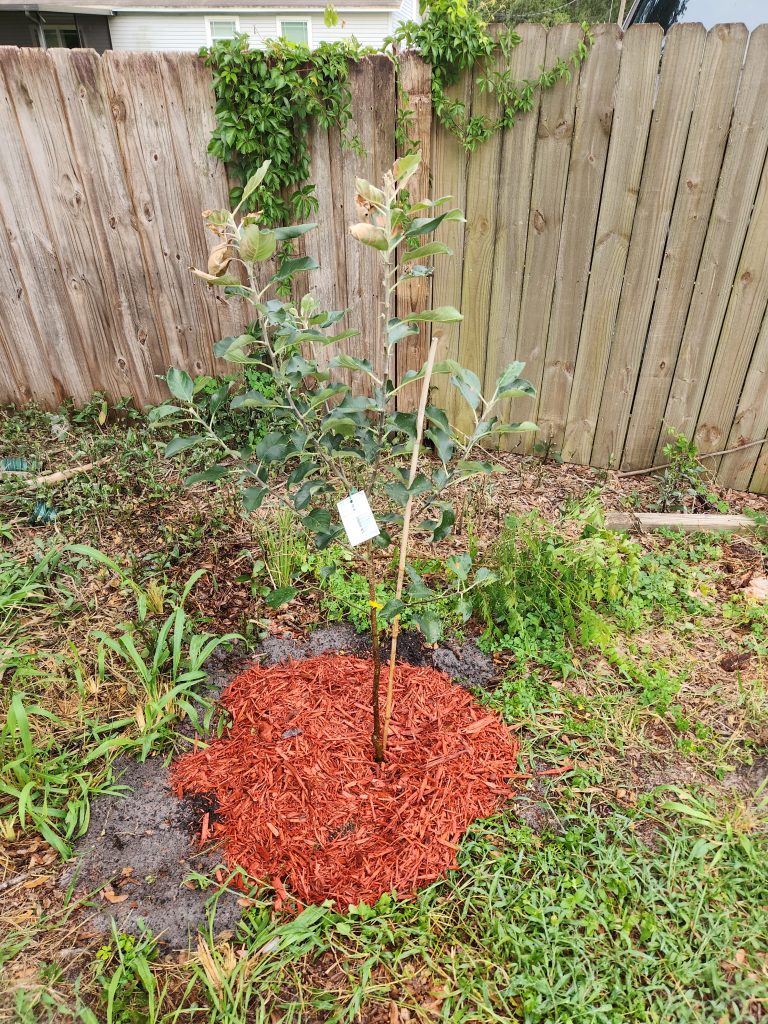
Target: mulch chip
x,y
301,803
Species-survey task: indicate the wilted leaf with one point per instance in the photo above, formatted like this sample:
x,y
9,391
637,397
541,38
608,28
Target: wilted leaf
x,y
369,235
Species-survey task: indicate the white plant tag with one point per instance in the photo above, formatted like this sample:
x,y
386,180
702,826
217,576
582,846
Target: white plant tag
x,y
357,518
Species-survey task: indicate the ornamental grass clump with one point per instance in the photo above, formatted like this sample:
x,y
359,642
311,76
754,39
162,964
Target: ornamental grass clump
x,y
336,451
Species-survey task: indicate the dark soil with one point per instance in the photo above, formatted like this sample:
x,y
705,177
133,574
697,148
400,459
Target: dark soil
x,y
145,844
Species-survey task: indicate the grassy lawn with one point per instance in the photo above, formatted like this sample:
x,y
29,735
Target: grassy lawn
x,y
627,880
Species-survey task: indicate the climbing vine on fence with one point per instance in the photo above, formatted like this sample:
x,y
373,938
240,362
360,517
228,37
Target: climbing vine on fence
x,y
453,36
267,99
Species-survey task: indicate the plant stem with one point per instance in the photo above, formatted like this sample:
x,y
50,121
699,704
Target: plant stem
x,y
420,415
378,736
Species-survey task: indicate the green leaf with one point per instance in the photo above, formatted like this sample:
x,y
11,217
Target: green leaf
x,y
178,444
469,468
273,447
207,475
256,245
430,625
468,383
228,280
346,362
371,236
418,589
290,267
514,428
398,329
180,384
292,231
391,609
510,375
251,400
443,442
231,348
459,565
342,425
254,181
307,491
281,596
369,192
253,497
442,527
405,167
440,315
426,225
318,520
430,249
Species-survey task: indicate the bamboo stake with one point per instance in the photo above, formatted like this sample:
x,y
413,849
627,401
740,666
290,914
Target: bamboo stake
x,y
420,415
53,478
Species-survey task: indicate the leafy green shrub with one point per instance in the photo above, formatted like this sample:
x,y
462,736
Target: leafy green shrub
x,y
685,483
549,583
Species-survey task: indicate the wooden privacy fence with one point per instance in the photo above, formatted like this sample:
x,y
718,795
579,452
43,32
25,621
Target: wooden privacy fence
x,y
616,239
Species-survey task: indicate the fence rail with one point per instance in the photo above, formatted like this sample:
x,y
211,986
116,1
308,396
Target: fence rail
x,y
616,238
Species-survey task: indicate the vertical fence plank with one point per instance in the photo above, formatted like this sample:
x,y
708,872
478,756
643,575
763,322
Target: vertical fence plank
x,y
743,163
373,115
671,120
594,117
514,191
449,170
751,420
626,155
745,313
116,245
415,98
551,161
479,235
723,56
33,243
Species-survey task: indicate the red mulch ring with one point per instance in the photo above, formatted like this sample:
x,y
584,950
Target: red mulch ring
x,y
301,803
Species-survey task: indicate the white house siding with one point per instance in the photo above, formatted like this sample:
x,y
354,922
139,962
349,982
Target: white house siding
x,y
188,31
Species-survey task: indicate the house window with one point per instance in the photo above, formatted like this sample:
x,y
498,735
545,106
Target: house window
x,y
60,31
222,28
294,30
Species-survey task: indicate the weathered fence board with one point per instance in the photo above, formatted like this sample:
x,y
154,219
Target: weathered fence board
x,y
661,172
722,62
594,118
615,241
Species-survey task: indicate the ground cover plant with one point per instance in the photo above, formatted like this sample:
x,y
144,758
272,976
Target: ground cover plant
x,y
630,887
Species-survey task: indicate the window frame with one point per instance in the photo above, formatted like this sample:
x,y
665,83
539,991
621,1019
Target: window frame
x,y
211,18
281,18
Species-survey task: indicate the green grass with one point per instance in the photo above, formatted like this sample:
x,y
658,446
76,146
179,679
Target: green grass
x,y
632,902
